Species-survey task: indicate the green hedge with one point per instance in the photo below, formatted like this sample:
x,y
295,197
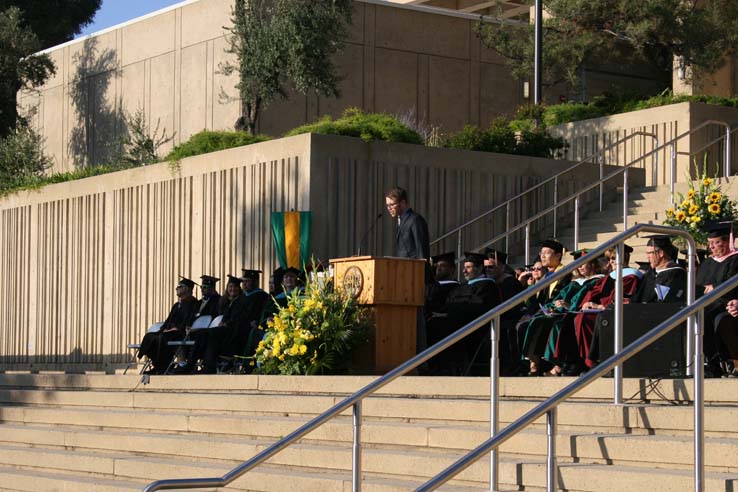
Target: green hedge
x,y
609,104
211,141
366,126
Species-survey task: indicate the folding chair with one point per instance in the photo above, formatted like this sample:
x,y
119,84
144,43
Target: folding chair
x,y
135,346
200,323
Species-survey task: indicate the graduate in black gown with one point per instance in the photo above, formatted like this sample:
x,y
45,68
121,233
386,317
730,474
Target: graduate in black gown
x,y
210,305
256,300
721,265
183,312
229,337
436,292
665,281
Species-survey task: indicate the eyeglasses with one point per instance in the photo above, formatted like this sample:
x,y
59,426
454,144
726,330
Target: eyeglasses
x,y
393,205
538,269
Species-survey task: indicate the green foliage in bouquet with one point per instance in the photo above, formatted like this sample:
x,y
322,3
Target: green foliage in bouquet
x,y
314,334
702,205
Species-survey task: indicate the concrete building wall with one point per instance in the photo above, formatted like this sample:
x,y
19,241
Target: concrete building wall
x,y
666,123
408,60
87,265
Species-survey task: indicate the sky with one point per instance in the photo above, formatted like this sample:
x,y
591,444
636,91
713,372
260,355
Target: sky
x,y
114,12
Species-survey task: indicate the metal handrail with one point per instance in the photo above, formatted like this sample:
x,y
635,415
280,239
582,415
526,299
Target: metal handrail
x,y
574,197
548,406
355,400
599,183
546,181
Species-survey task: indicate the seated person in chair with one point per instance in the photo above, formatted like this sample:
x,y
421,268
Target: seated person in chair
x,y
210,305
230,336
154,345
256,300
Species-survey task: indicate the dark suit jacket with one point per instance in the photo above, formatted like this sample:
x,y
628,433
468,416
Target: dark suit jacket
x,y
412,239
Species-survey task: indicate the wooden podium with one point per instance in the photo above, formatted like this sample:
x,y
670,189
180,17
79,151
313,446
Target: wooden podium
x,y
394,288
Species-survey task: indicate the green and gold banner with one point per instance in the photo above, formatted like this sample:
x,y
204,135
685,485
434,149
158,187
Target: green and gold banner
x,y
291,232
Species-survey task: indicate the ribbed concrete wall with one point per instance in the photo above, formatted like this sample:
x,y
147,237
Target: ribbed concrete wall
x,y
86,266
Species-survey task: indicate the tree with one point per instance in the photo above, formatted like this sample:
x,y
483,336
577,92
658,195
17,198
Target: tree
x,y
584,32
281,42
26,27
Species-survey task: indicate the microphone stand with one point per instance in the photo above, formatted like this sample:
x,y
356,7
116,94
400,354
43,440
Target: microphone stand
x,y
368,231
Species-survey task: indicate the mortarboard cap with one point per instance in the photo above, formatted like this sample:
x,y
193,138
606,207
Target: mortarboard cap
x,y
579,253
208,281
701,254
553,244
294,271
627,249
184,281
234,280
496,255
643,265
449,257
250,274
718,229
476,258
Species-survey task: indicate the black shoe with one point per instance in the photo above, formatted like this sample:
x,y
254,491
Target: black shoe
x,y
181,370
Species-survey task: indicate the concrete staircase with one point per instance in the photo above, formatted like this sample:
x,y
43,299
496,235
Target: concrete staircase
x,y
645,206
110,433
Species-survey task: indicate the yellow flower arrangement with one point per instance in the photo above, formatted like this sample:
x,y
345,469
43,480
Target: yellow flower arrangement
x,y
313,334
704,204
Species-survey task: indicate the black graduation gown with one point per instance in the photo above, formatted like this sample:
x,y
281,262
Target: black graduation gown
x,y
256,300
436,295
713,272
672,277
154,345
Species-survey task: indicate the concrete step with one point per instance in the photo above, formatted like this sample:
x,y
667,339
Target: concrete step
x,y
34,480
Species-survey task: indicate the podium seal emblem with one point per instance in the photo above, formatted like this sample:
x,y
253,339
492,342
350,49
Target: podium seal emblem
x,y
353,281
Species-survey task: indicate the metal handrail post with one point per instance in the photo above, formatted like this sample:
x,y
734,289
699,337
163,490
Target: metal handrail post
x,y
602,185
727,152
527,243
555,202
576,223
551,475
699,405
494,402
459,264
625,199
691,321
672,171
507,228
655,166
356,453
618,375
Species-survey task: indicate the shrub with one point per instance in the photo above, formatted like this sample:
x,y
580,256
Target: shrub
x,y
211,141
507,137
21,158
366,126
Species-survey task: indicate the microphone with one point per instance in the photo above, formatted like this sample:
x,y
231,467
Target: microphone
x,y
368,231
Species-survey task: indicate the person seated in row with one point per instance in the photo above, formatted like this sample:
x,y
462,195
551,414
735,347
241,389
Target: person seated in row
x,y
664,282
180,318
443,270
464,303
542,332
550,257
721,265
599,297
496,268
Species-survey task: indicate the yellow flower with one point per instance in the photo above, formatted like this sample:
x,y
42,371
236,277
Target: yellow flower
x,y
714,208
715,197
303,348
707,181
693,209
680,216
670,211
696,219
292,309
294,350
690,194
686,203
